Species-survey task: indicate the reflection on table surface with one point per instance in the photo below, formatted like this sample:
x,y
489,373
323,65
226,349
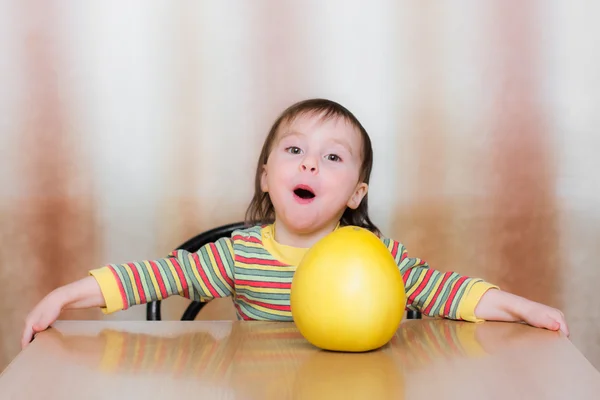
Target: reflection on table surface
x,y
264,360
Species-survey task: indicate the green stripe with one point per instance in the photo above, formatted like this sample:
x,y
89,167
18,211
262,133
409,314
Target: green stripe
x,y
126,283
187,271
144,280
226,256
167,276
227,261
162,265
207,267
261,315
272,298
413,276
457,298
275,279
247,251
267,274
443,296
427,289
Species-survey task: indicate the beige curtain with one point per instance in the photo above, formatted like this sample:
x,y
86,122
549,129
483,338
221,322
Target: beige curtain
x,y
127,127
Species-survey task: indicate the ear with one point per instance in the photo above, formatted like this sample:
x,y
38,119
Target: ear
x,y
263,179
359,193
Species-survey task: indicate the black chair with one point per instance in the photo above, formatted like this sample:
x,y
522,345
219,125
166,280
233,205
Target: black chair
x,y
195,243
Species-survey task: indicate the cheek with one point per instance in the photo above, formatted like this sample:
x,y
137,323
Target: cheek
x,y
282,168
343,183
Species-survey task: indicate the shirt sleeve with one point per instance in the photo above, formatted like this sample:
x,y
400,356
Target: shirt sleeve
x,y
434,293
200,276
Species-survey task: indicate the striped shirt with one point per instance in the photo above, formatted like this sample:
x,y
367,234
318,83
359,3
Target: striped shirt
x,y
256,271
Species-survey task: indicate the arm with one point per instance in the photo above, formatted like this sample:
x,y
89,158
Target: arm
x,y
434,293
450,295
202,275
205,274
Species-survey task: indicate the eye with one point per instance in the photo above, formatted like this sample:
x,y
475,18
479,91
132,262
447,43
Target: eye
x,y
294,150
333,157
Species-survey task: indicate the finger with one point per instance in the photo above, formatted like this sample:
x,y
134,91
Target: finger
x,y
545,321
563,326
27,336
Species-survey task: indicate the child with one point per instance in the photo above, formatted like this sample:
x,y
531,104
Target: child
x,y
312,176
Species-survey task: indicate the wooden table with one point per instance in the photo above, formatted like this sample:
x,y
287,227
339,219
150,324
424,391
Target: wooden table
x,y
268,360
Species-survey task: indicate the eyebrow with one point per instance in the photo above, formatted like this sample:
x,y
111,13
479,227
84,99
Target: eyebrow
x,y
341,142
344,144
288,133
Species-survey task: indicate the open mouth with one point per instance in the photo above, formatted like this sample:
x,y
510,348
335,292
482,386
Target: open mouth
x,y
304,192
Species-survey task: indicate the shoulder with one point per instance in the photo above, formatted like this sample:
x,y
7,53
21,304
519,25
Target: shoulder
x,y
387,240
395,247
248,234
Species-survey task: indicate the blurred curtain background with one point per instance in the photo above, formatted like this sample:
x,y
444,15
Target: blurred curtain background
x,y
128,126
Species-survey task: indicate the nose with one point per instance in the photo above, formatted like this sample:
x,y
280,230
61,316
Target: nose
x,y
309,164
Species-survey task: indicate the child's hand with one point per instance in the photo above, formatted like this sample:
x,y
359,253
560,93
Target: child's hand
x,y
496,305
542,316
84,293
42,316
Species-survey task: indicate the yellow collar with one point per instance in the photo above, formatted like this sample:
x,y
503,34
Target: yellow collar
x,y
286,254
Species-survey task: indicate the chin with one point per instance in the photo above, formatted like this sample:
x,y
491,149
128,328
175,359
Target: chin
x,y
304,224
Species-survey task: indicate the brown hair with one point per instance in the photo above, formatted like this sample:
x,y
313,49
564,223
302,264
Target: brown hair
x,y
261,210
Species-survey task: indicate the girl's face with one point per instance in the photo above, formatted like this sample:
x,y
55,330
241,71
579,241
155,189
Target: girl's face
x,y
312,173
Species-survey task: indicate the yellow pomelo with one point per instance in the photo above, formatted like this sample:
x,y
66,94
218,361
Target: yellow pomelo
x,y
347,293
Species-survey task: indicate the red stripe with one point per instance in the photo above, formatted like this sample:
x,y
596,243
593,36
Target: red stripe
x,y
395,249
258,261
239,310
404,255
453,294
121,288
139,357
217,256
433,340
266,305
203,275
276,335
414,295
437,293
184,284
450,340
260,284
138,282
159,280
249,239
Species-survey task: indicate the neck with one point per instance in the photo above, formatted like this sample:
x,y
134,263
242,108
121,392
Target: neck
x,y
288,237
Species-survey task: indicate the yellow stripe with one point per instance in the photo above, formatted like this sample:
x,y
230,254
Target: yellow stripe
x,y
262,267
432,292
215,268
251,244
197,274
415,284
270,311
263,290
136,294
230,247
153,279
175,276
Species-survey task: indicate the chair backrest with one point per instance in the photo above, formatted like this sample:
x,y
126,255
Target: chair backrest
x,y
195,243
